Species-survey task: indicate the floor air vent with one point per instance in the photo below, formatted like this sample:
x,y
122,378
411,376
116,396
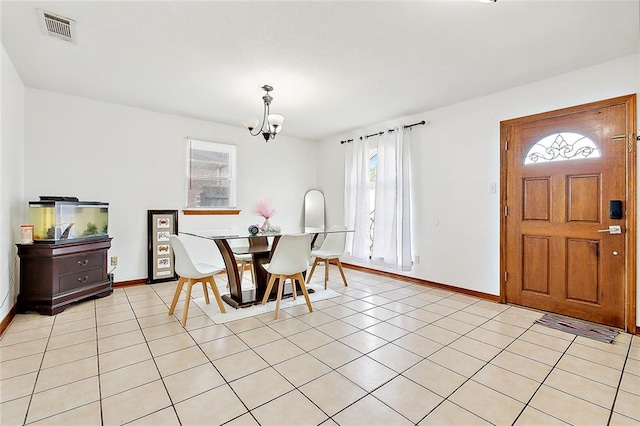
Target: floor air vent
x,y
58,26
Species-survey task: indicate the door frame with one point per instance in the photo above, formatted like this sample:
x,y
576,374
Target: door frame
x,y
631,203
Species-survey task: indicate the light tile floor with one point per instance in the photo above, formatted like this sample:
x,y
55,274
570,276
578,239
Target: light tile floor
x,y
384,352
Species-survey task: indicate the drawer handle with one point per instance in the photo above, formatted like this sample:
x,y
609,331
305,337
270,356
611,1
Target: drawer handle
x,y
81,280
83,263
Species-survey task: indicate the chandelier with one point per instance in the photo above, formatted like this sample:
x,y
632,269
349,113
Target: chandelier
x,y
271,123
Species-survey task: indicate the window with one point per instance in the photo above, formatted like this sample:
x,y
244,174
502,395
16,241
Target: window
x,y
371,184
211,175
562,147
377,199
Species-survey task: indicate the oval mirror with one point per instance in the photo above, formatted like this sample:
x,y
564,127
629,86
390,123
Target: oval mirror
x,y
314,209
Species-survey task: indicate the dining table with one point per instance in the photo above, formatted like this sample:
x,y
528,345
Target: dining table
x,y
261,246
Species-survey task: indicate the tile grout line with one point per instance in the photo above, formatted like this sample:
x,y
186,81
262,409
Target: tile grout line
x,y
398,374
295,387
443,346
542,383
35,382
615,397
95,316
33,392
322,375
226,382
390,342
470,377
153,358
367,393
305,352
530,328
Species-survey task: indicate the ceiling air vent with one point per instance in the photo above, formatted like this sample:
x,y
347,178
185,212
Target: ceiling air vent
x,y
58,26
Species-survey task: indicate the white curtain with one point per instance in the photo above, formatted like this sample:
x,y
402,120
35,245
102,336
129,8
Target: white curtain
x,y
392,229
356,198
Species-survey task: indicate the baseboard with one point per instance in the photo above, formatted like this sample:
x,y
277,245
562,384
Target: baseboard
x,y
7,320
130,282
479,294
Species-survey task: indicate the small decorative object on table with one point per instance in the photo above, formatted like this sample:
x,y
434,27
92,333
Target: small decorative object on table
x,y
263,209
253,229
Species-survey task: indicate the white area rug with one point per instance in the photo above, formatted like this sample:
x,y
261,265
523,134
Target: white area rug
x,y
213,312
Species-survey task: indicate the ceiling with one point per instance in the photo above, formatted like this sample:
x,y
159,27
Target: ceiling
x,y
335,65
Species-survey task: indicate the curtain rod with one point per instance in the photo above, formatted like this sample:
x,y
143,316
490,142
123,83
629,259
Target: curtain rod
x,y
408,126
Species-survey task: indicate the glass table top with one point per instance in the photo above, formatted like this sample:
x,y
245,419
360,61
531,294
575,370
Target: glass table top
x,y
234,233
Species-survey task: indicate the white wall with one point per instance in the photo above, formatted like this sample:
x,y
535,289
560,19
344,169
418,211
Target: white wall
x,y
136,160
11,180
456,156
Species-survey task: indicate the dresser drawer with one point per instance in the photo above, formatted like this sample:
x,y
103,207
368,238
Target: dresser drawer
x,y
80,278
81,262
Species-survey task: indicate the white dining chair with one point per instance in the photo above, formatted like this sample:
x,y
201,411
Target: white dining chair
x,y
329,252
192,273
244,260
289,260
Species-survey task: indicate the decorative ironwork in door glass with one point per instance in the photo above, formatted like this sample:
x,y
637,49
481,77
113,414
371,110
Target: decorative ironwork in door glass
x,y
373,173
562,147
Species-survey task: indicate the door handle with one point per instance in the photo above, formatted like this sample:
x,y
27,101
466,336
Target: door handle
x,y
613,229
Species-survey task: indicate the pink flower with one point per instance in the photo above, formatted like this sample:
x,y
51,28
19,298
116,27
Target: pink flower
x,y
263,209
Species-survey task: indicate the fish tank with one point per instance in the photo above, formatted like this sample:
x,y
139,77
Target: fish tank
x,y
59,219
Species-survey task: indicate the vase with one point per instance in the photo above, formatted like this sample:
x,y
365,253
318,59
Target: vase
x,y
266,226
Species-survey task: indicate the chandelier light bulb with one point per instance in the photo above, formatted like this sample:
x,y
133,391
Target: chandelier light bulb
x,y
275,119
251,123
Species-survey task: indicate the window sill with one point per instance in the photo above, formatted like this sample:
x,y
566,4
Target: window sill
x,y
189,212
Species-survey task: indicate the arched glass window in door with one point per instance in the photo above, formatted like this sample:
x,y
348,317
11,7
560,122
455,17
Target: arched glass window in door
x,y
562,147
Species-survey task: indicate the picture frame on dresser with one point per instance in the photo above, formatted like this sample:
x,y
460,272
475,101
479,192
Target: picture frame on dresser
x,y
160,224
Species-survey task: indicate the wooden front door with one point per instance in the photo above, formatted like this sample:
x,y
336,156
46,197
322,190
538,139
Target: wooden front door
x,y
565,175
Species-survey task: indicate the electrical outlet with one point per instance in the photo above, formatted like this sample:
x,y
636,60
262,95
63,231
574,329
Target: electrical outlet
x,y
416,259
114,260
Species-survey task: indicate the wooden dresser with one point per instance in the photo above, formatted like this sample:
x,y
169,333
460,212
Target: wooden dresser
x,y
54,275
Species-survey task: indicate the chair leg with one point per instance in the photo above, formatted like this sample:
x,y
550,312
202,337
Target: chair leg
x,y
294,292
313,268
206,292
190,283
242,263
281,280
253,276
216,293
344,280
326,272
268,290
304,291
176,295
